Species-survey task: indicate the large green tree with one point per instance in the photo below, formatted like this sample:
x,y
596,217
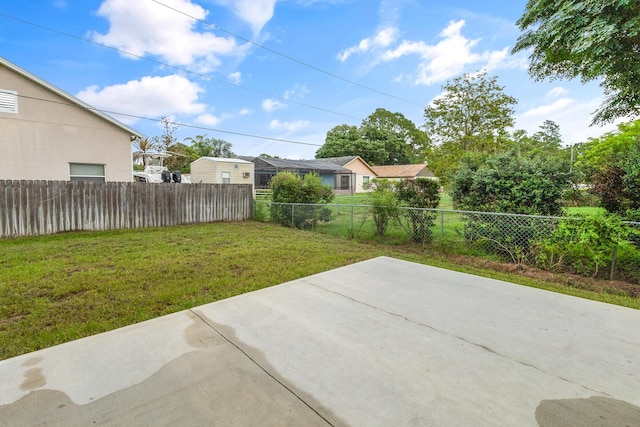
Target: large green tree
x,y
470,117
342,140
181,157
612,163
589,39
210,147
545,143
399,137
383,138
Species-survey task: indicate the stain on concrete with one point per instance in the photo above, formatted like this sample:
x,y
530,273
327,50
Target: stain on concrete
x,y
33,379
215,385
198,334
32,361
260,360
596,411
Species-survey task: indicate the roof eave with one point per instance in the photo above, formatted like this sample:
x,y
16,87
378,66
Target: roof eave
x,y
68,96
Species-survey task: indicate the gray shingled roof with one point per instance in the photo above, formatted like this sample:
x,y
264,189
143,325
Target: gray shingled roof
x,y
314,165
341,161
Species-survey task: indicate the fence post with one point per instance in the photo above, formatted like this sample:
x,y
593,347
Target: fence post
x,y
352,221
293,221
442,223
613,262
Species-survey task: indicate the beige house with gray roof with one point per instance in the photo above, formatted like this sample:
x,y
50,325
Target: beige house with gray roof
x,y
48,134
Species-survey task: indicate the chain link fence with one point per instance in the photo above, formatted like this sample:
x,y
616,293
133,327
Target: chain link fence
x,y
522,239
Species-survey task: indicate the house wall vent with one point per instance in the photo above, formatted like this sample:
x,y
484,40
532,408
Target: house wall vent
x,y
8,101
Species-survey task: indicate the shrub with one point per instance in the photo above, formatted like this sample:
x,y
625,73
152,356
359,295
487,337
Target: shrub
x,y
309,190
585,244
508,184
419,193
384,205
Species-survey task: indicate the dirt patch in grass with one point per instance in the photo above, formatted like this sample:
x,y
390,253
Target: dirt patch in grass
x,y
612,287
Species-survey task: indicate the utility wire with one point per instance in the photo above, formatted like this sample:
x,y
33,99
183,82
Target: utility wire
x,y
185,125
205,76
290,58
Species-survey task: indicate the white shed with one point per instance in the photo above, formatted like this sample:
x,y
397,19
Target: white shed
x,y
222,170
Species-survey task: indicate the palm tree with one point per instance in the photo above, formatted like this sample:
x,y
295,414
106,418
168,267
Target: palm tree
x,y
143,146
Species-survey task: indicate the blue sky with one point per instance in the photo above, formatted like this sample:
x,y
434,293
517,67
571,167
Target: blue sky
x,y
322,63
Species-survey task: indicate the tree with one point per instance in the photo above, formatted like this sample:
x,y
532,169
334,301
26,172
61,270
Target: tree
x,y
401,140
342,140
613,164
589,39
168,136
142,147
210,147
545,143
181,157
470,117
383,138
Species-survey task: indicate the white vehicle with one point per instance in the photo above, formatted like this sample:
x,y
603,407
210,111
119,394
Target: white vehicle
x,y
155,171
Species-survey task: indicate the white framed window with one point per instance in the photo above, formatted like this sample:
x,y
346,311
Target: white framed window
x,y
226,177
8,101
86,172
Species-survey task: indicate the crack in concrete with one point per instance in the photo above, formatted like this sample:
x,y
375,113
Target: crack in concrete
x,y
211,325
484,347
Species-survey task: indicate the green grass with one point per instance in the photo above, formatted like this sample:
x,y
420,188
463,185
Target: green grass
x,y
63,287
584,210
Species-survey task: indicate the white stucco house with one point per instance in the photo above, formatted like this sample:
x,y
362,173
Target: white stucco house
x,y
222,170
48,134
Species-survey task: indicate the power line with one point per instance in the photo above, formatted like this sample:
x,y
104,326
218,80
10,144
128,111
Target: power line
x,y
205,76
185,125
290,58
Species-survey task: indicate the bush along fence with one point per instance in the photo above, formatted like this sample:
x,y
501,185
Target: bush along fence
x,y
598,245
29,208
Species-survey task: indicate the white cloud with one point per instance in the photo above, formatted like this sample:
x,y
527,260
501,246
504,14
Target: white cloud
x,y
255,12
147,97
438,62
236,77
270,105
573,117
291,127
448,57
543,112
208,120
245,112
557,92
142,28
298,91
382,39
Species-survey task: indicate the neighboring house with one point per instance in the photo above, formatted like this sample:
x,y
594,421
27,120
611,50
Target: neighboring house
x,y
341,179
48,134
398,172
363,173
222,170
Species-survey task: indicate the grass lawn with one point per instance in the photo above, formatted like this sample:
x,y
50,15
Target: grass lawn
x,y
63,287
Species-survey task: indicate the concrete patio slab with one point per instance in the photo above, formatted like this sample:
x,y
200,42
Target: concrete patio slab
x,y
378,343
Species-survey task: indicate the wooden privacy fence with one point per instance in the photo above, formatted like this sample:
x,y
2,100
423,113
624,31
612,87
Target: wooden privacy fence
x,y
29,208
